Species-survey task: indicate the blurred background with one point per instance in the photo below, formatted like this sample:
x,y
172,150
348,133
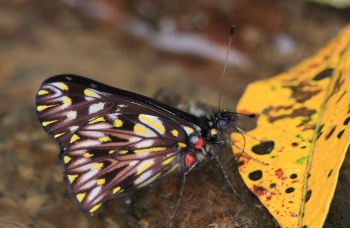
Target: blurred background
x,y
144,46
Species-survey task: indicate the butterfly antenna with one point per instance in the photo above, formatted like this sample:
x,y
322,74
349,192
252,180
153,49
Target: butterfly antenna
x,y
233,28
248,115
181,193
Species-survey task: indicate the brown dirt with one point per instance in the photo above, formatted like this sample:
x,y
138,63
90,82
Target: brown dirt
x,y
42,38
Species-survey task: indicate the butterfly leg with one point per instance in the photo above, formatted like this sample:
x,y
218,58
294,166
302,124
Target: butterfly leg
x,y
181,193
231,143
214,156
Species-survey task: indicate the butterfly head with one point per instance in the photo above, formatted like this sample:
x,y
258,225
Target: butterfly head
x,y
225,120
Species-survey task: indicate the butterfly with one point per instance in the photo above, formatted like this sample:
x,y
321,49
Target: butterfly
x,y
114,141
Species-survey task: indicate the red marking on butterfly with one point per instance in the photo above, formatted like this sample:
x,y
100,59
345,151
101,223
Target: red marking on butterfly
x,y
190,160
199,144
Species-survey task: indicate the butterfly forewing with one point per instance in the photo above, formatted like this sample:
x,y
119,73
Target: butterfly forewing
x,y
113,141
63,107
66,102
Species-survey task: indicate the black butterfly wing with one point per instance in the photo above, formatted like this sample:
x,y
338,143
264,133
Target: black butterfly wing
x,y
113,141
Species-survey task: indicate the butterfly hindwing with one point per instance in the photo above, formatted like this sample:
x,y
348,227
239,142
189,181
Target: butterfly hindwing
x,y
118,153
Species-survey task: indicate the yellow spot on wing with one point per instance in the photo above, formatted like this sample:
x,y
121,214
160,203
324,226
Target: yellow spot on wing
x,y
98,166
175,133
94,208
152,149
101,181
182,145
149,180
42,92
71,178
188,129
117,189
48,122
58,135
168,161
67,101
118,123
213,132
66,159
139,145
105,139
74,138
123,151
143,168
73,128
88,92
172,169
62,86
43,107
88,155
100,119
140,129
153,123
132,139
81,196
72,115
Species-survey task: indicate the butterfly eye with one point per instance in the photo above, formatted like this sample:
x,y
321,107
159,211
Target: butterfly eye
x,y
221,124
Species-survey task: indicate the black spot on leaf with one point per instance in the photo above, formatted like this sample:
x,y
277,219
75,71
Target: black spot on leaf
x,y
290,190
330,173
265,147
327,73
308,195
256,175
294,144
293,176
340,134
273,185
346,121
330,133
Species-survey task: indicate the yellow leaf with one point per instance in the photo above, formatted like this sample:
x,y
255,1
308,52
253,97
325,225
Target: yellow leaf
x,y
305,112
